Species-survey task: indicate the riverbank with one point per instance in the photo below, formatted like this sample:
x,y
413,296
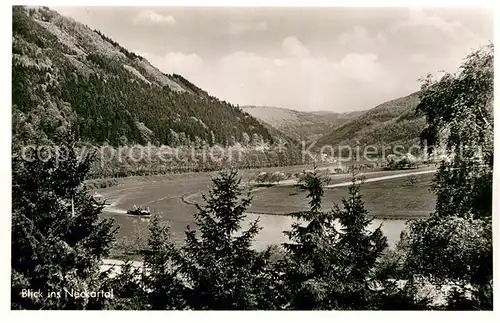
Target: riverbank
x,y
100,183
106,182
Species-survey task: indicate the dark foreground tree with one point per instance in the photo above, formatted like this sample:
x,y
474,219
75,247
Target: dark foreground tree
x,y
161,276
58,240
454,246
309,266
327,268
154,284
127,284
221,269
358,250
459,112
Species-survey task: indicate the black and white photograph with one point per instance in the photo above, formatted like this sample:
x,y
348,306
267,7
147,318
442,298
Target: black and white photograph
x,y
220,158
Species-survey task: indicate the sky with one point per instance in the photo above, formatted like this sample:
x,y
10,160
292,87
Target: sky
x,y
307,59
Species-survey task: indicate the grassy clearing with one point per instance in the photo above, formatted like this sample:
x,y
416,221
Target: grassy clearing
x,y
394,198
341,178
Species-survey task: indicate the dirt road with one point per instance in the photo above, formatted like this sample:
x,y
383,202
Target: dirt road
x,y
382,178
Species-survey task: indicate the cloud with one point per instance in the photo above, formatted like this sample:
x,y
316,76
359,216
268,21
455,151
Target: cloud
x,y
418,58
360,40
430,28
296,82
418,18
416,43
149,17
444,41
243,61
360,67
299,81
236,28
293,47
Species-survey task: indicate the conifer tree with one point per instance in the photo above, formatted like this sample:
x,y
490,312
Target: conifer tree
x,y
309,267
357,252
330,268
127,284
161,275
221,268
58,240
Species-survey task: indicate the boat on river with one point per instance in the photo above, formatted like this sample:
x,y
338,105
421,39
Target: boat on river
x,y
139,211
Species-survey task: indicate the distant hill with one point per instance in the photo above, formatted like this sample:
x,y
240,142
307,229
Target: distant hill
x,y
68,76
390,123
298,124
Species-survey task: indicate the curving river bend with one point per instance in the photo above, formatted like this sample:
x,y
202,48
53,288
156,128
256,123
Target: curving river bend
x,y
384,199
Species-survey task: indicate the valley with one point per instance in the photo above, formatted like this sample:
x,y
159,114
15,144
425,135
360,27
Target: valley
x,y
154,159
301,125
115,100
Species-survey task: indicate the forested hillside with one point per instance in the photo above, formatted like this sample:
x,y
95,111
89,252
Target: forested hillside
x,y
390,123
67,76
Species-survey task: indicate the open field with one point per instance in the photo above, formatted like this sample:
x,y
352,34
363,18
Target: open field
x,y
386,199
393,198
341,179
246,173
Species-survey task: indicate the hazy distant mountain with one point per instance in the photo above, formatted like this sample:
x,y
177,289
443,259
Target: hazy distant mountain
x,y
392,122
66,75
298,124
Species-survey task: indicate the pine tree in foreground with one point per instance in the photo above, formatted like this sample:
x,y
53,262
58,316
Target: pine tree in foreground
x,y
329,268
127,284
155,284
357,252
161,276
309,265
221,269
58,240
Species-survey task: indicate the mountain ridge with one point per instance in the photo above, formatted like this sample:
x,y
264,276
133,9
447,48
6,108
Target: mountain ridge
x,y
67,76
394,122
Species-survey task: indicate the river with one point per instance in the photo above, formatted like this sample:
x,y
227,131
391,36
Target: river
x,y
274,225
390,200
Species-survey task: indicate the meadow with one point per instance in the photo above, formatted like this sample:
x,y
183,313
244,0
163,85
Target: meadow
x,y
389,199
